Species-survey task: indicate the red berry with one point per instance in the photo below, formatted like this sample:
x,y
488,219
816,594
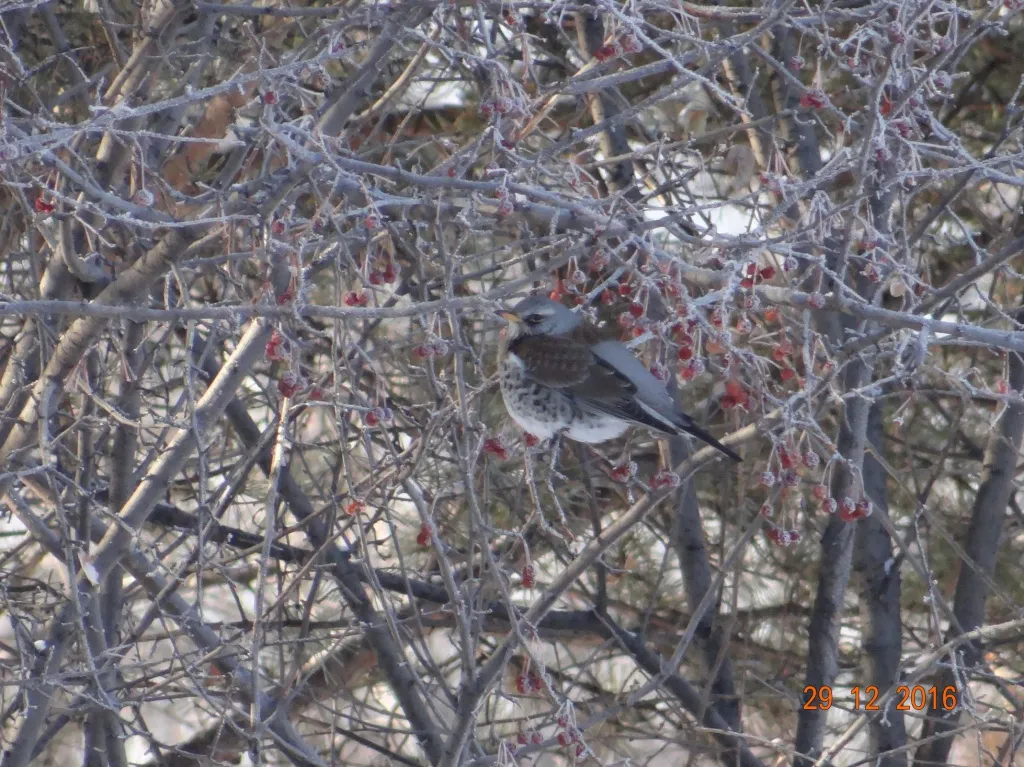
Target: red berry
x,y
605,52
497,446
814,98
636,309
685,353
766,510
820,492
530,440
771,314
580,750
536,738
786,459
529,577
563,739
810,459
624,471
269,97
664,478
389,274
376,278
424,536
353,507
285,297
829,505
816,301
43,206
356,298
522,738
625,289
371,221
276,347
289,384
747,283
692,369
277,227
767,273
782,350
787,374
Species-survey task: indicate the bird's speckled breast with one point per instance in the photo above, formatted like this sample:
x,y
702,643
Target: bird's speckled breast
x,y
543,411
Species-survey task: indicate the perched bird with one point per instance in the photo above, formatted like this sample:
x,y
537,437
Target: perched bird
x,y
559,376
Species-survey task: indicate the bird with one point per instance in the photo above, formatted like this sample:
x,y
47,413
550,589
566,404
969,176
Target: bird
x,y
559,376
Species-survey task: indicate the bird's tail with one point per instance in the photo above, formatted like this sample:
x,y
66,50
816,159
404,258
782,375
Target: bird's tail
x,y
690,427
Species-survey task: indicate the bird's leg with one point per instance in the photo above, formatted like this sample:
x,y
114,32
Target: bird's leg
x,y
555,446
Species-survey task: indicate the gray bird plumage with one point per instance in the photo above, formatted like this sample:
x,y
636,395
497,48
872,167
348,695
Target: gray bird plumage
x,y
558,375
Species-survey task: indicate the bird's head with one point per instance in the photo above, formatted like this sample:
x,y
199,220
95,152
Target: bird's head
x,y
539,315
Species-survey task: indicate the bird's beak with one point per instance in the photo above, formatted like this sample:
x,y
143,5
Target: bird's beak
x,y
509,316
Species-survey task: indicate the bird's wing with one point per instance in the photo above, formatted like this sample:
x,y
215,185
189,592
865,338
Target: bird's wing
x,y
651,404
646,387
558,362
619,385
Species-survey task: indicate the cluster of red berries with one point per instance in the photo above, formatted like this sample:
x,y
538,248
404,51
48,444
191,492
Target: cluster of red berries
x,y
423,537
529,683
736,395
624,472
290,384
528,577
377,416
627,43
526,738
435,347
570,735
782,537
753,274
356,298
814,98
385,274
848,509
498,446
665,478
277,347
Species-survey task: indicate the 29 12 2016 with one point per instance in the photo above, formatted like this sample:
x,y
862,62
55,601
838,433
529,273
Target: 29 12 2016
x,y
869,698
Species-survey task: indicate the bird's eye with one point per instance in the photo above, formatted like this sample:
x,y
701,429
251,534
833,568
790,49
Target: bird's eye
x,y
531,319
